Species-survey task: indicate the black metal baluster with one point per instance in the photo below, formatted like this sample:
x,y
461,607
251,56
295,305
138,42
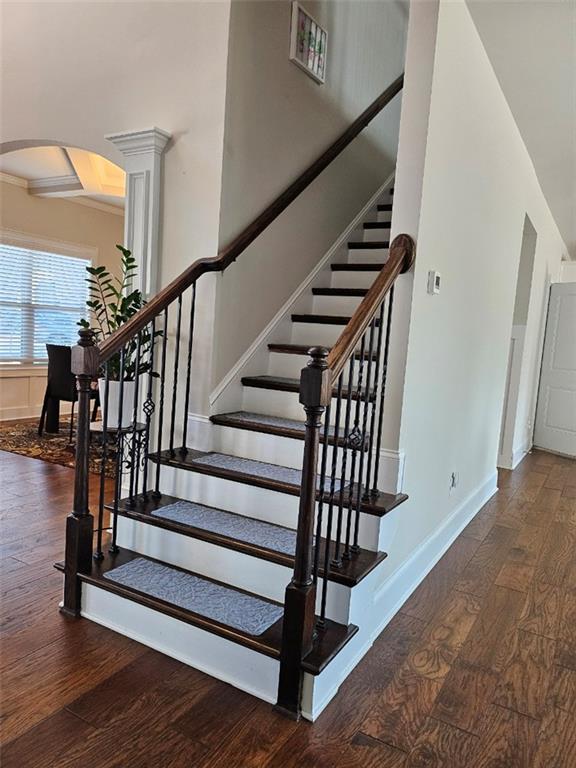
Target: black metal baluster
x,y
367,396
157,493
373,404
119,451
338,542
319,514
148,408
353,439
375,492
98,554
134,457
188,370
175,379
330,518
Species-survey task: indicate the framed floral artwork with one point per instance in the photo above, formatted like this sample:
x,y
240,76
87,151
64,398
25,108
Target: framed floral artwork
x,y
308,44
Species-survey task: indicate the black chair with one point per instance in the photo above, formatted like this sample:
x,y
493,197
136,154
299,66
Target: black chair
x,y
61,385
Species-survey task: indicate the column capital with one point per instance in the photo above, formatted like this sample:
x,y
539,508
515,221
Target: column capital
x,y
140,142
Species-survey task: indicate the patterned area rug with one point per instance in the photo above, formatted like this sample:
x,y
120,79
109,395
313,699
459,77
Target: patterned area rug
x,y
22,437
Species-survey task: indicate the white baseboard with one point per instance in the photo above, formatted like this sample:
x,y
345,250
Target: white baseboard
x,y
20,412
262,339
511,462
396,589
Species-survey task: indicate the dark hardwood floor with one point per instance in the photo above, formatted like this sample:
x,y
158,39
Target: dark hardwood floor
x,y
478,669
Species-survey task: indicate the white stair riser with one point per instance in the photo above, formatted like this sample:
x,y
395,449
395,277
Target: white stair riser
x,y
367,255
349,279
379,233
290,366
316,334
260,503
233,663
384,216
336,305
284,451
237,569
285,404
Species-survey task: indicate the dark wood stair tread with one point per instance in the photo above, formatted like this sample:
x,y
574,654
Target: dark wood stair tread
x,y
372,266
325,319
303,349
361,292
321,319
141,508
369,245
285,384
269,477
377,225
330,641
385,207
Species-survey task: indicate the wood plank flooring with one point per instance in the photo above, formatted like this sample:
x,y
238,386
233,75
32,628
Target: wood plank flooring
x,y
477,670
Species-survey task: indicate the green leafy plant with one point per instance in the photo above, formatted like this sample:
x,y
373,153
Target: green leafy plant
x,y
111,304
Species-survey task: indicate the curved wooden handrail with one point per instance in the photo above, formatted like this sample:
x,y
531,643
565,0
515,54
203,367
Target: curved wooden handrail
x,y
401,258
230,252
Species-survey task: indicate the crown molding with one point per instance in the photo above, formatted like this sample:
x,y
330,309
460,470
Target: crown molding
x,y
116,210
54,185
140,142
16,181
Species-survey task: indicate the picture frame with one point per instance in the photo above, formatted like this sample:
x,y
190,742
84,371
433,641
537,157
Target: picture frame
x,y
308,43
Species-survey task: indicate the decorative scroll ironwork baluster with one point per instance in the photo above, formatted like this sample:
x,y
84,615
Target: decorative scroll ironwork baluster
x,y
328,563
157,493
367,492
98,554
375,492
343,484
188,370
148,408
119,450
354,441
135,438
367,398
322,481
175,379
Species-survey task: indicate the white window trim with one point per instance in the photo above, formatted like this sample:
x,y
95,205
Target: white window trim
x,y
59,247
36,243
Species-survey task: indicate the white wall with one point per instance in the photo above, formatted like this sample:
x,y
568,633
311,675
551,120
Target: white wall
x,y
278,121
568,272
74,72
478,186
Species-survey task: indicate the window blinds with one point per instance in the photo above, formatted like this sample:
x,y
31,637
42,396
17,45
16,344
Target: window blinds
x,y
42,297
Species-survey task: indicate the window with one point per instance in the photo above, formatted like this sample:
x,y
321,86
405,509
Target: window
x,y
42,297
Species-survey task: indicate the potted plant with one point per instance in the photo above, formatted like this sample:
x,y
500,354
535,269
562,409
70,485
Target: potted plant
x,y
111,304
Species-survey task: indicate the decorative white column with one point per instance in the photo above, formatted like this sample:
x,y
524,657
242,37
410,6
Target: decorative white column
x,y
143,152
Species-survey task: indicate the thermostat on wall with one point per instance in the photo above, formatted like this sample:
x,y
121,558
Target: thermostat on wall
x,y
434,281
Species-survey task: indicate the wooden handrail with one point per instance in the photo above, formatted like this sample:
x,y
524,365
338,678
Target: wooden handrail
x,y
400,260
230,252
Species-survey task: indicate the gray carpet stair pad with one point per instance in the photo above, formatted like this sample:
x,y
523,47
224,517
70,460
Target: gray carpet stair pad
x,y
246,529
272,421
228,606
261,469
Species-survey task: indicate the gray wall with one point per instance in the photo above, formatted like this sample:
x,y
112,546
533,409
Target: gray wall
x,y
278,120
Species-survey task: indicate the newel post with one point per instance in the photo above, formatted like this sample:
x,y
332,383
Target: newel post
x,y
80,523
300,599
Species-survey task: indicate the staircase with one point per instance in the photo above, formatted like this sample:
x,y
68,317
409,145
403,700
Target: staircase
x,y
256,561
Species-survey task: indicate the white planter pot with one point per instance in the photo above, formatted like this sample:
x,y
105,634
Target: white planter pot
x,y
114,403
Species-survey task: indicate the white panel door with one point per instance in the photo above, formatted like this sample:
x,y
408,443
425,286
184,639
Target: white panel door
x,y
556,412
